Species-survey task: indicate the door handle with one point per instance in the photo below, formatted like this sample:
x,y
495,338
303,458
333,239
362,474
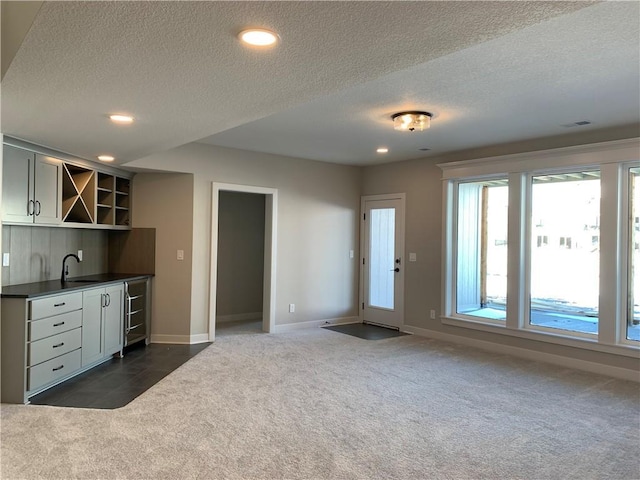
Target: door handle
x,y
395,270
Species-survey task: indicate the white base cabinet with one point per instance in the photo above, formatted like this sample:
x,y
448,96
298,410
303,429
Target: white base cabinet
x,y
46,340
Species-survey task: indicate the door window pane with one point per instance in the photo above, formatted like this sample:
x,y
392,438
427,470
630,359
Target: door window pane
x,y
565,251
382,253
481,272
633,320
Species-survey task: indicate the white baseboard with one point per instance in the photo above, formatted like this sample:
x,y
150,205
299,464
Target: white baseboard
x,y
592,367
288,327
180,339
238,317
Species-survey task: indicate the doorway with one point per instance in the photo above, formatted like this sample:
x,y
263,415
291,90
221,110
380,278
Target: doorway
x,y
270,198
383,262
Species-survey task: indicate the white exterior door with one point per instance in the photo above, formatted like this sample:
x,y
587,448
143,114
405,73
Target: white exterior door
x,y
383,260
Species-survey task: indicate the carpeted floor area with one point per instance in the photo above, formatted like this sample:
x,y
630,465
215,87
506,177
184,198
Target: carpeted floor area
x,y
312,404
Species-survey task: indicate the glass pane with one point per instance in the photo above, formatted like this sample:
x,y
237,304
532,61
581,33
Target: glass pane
x,y
565,251
633,324
481,287
382,254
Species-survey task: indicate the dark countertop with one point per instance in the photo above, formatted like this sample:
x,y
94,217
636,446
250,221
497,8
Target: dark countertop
x,y
37,289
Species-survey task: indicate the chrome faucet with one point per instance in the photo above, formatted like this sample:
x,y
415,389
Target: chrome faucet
x,y
65,267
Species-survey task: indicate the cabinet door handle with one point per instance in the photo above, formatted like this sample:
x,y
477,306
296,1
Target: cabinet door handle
x,y
58,324
58,345
31,207
108,300
39,208
59,305
57,368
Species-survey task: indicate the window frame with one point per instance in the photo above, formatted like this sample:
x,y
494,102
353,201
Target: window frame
x,y
528,247
454,260
612,159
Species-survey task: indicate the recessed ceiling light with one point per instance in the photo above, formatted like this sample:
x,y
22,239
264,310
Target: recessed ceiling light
x,y
106,158
382,150
123,119
258,37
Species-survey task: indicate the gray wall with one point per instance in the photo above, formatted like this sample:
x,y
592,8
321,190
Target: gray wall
x,y
36,253
317,224
240,253
164,201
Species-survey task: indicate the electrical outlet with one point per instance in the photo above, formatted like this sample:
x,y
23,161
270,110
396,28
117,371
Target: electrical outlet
x,y
432,314
80,254
5,259
292,307
350,253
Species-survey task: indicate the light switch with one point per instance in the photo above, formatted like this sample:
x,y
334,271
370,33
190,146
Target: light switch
x,y
5,259
180,254
350,253
413,257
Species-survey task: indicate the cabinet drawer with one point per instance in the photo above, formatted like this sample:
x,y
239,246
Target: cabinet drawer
x,y
53,369
54,346
45,307
45,327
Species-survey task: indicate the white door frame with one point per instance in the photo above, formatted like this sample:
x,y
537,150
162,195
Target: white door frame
x,y
363,226
270,246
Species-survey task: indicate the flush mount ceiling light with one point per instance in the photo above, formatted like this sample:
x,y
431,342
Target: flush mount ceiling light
x,y
121,119
382,150
411,121
258,37
106,158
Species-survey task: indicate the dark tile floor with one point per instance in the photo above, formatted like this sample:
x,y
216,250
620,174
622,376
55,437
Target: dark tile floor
x,y
365,331
115,383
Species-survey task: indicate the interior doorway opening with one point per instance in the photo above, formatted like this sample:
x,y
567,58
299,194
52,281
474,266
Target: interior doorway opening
x,y
243,246
240,262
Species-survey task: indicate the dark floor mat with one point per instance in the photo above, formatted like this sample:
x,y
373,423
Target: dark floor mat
x,y
365,331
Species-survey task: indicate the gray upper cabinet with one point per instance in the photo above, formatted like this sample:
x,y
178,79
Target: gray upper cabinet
x,y
41,189
31,187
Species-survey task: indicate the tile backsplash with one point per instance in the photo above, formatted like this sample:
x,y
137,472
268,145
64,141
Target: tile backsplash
x,y
36,253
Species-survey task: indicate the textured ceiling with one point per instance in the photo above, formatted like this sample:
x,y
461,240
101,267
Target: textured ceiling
x,y
491,71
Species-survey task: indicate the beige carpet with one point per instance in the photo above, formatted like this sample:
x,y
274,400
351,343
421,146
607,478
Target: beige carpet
x,y
317,404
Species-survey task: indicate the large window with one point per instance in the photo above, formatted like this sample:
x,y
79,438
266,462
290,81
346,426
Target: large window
x,y
482,249
546,246
633,311
565,251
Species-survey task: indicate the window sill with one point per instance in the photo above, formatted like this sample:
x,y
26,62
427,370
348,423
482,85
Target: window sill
x,y
563,339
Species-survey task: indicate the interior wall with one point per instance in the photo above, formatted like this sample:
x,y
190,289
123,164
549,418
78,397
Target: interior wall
x,y
240,254
421,181
36,253
317,225
164,201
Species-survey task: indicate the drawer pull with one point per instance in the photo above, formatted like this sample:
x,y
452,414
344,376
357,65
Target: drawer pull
x,y
59,304
58,345
57,368
58,324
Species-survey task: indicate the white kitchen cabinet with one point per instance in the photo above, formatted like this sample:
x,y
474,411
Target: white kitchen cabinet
x,y
102,317
31,187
